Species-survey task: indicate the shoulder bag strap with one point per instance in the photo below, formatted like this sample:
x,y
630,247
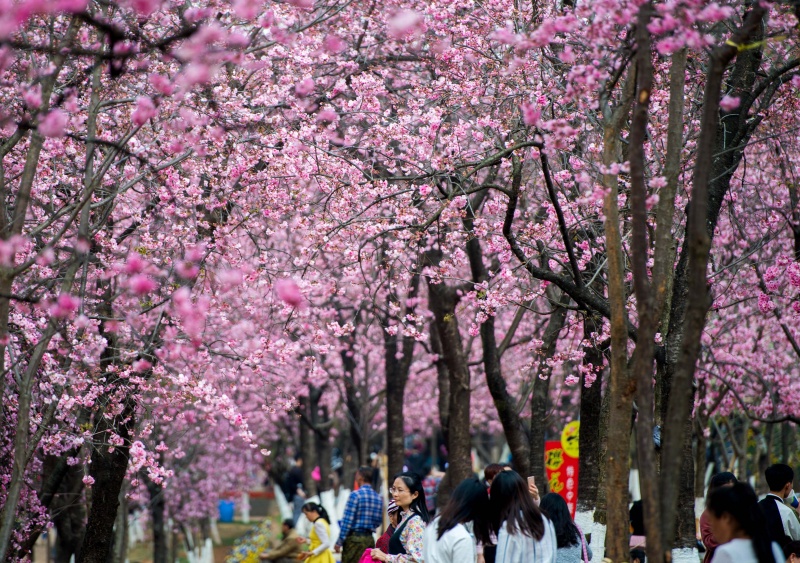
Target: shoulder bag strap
x,y
583,545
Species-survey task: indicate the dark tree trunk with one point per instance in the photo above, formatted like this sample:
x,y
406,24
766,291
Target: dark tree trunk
x,y
503,402
160,547
733,129
354,394
306,444
395,399
396,371
591,408
443,301
442,381
323,443
108,470
69,514
541,392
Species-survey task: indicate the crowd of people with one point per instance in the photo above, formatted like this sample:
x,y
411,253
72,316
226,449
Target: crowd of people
x,y
496,519
737,527
502,519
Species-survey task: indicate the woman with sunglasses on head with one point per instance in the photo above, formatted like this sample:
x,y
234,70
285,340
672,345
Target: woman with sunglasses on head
x,y
405,545
447,539
524,535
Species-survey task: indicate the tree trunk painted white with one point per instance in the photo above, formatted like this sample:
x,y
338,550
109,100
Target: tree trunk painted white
x,y
598,543
283,505
328,502
585,521
215,532
685,555
245,507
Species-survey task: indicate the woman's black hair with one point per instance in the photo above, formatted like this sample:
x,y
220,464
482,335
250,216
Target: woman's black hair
x,y
555,507
314,507
636,514
414,483
469,502
740,502
512,503
720,480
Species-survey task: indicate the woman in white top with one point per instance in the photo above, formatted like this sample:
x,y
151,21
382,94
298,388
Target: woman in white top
x,y
524,535
737,524
447,539
320,536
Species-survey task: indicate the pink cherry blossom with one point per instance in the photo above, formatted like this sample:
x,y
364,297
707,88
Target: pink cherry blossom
x,y
333,44
530,114
64,306
53,124
304,87
134,264
33,97
729,103
289,292
142,284
406,23
145,110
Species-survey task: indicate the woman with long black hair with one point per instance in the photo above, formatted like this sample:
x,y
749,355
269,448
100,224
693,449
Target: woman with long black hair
x,y
738,526
524,535
447,539
405,545
570,542
320,537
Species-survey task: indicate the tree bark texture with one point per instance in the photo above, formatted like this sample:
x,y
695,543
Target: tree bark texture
x,y
621,386
396,372
443,301
691,299
108,470
541,392
492,367
589,439
160,547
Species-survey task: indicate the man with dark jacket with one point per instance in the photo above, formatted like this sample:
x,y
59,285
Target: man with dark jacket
x,y
781,521
288,549
293,487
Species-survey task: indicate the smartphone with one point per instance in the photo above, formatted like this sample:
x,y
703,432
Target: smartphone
x,y
531,480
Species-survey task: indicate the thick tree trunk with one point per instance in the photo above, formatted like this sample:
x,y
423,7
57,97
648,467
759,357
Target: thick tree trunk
x,y
120,548
442,382
353,399
396,371
541,392
69,513
591,408
395,398
621,386
443,300
108,471
160,547
323,443
306,446
503,402
714,169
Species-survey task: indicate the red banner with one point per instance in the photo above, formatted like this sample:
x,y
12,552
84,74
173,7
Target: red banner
x,y
562,473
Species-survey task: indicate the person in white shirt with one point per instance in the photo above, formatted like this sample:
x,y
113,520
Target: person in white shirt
x,y
782,523
524,534
447,539
737,524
